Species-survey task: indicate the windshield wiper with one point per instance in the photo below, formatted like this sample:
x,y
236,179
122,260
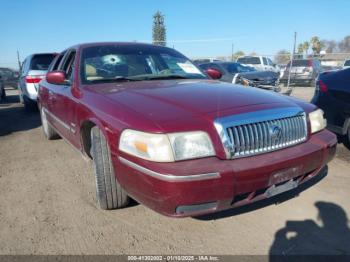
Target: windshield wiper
x,y
114,79
159,77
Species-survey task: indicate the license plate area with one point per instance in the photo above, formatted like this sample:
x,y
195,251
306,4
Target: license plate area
x,y
275,190
283,181
284,175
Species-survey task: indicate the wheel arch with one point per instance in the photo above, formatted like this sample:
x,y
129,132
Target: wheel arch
x,y
85,135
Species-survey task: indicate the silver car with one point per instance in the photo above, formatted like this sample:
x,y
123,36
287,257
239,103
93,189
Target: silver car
x,y
303,72
33,71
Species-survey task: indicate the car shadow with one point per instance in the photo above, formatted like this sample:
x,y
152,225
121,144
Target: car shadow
x,y
14,118
309,238
266,202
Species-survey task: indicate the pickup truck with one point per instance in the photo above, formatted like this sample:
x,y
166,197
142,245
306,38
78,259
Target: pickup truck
x,y
160,131
260,63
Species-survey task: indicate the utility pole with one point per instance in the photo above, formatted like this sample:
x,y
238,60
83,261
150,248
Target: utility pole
x,y
232,52
291,63
19,62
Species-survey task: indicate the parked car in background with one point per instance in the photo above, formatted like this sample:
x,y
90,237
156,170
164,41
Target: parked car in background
x,y
159,131
282,68
237,73
205,60
9,77
330,68
2,90
303,72
260,63
332,95
34,69
346,64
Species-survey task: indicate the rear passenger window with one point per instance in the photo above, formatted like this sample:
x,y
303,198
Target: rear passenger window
x,y
57,62
264,60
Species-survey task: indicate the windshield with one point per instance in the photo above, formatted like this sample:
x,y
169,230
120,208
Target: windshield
x,y
301,63
347,63
249,60
108,63
234,68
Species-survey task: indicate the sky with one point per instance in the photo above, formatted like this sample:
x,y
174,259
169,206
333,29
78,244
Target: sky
x,y
197,28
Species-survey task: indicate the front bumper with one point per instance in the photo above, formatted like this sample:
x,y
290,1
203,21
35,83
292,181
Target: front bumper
x,y
298,79
230,183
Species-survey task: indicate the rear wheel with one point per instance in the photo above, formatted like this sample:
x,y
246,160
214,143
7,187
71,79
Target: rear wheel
x,y
110,194
29,105
48,131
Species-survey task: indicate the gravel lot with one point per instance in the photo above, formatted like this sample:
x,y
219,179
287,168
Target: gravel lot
x,y
47,206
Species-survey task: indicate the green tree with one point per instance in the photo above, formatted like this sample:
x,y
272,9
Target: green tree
x,y
316,45
344,45
306,46
238,54
330,46
300,49
282,57
159,29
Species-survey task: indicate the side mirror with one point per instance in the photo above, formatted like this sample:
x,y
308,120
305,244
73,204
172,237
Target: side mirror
x,y
56,77
213,73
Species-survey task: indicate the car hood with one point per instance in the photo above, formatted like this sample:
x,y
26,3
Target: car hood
x,y
260,75
168,100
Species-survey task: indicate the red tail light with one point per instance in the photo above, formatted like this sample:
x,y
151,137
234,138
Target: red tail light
x,y
34,79
323,87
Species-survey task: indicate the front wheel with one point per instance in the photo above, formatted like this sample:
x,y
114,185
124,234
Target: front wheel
x,y
110,194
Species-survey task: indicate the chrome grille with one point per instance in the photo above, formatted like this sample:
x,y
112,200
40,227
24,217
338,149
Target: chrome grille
x,y
249,134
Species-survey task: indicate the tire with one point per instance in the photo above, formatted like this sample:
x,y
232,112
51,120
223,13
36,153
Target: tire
x,y
346,139
313,83
29,106
109,193
20,97
48,131
3,94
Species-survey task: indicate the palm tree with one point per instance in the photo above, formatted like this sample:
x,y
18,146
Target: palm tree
x,y
300,49
316,45
306,47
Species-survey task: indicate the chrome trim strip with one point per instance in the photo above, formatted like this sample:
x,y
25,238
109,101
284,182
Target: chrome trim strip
x,y
168,177
269,115
59,121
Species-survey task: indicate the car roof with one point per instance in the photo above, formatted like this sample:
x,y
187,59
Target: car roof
x,y
223,62
85,45
36,54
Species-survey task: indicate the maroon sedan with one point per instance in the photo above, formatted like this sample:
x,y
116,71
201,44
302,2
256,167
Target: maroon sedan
x,y
159,131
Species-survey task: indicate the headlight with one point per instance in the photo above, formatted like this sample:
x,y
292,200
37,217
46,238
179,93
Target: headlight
x,y
154,147
189,145
166,147
317,121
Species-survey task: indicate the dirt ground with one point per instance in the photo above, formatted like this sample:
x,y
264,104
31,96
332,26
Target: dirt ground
x,y
47,206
